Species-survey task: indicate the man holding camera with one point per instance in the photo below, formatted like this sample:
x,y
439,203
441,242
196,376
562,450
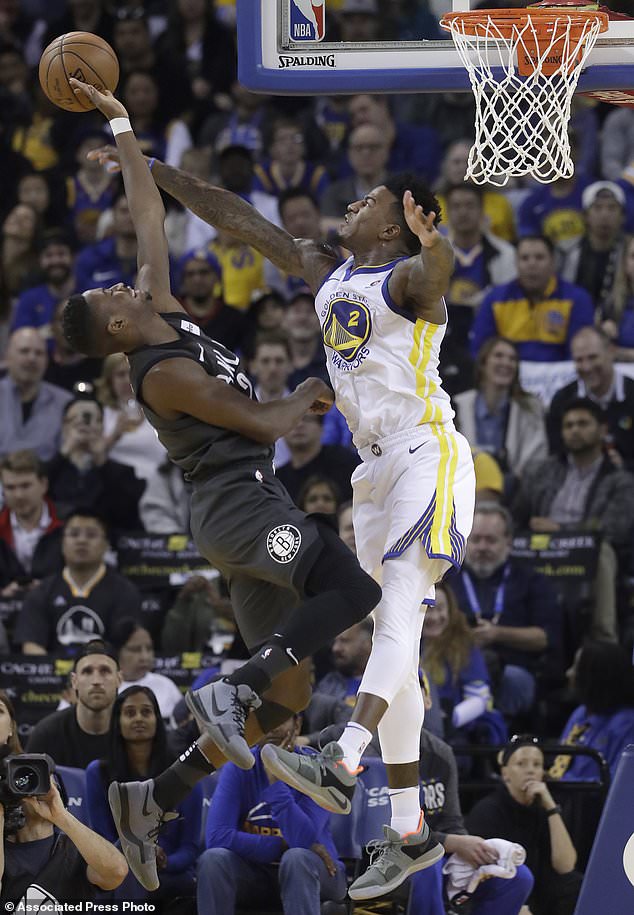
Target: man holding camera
x,y
53,857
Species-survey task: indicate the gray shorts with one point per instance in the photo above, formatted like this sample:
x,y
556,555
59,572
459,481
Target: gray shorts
x,y
247,526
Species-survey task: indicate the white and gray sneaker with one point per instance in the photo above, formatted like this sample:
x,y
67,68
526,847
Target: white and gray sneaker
x,y
322,776
138,819
394,859
220,709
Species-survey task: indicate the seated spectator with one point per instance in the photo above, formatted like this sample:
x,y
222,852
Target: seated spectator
x,y
112,260
538,312
91,190
617,316
157,135
200,296
512,609
79,734
83,474
67,368
286,166
135,650
265,840
55,857
481,259
499,218
604,385
266,312
137,749
456,665
28,522
270,368
555,210
300,215
412,147
602,680
368,150
591,262
199,618
84,601
310,457
36,306
31,409
582,489
319,495
9,736
617,144
130,439
498,416
346,529
441,801
304,331
165,505
19,247
522,810
34,190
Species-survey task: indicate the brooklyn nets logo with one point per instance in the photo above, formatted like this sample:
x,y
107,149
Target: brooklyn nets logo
x,y
283,543
347,327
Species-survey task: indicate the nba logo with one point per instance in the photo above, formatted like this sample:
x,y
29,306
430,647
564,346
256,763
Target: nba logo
x,y
308,20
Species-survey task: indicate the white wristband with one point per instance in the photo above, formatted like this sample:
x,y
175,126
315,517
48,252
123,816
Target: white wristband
x,y
120,125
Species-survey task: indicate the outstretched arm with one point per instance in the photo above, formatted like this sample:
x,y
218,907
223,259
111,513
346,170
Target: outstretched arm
x,y
146,207
419,283
230,213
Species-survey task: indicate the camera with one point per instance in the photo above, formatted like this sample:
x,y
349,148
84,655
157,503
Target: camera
x,y
23,775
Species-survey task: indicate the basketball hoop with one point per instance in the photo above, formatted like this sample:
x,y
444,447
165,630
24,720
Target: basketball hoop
x,y
524,65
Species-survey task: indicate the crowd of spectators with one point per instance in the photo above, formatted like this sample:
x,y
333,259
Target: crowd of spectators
x,y
543,288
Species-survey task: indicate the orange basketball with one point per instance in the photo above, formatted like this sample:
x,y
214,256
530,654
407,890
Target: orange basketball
x,y
84,56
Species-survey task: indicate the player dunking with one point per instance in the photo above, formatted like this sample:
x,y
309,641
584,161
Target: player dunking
x,y
294,585
383,317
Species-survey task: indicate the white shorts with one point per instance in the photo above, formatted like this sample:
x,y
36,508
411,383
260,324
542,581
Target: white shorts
x,y
414,485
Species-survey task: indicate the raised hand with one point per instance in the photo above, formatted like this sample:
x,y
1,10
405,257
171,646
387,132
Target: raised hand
x,y
105,101
421,225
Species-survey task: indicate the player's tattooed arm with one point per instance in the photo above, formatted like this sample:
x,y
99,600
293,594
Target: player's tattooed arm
x,y
419,283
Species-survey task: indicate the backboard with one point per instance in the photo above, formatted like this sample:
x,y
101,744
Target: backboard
x,y
283,49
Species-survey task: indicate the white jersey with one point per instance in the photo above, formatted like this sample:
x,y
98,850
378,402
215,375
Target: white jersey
x,y
382,361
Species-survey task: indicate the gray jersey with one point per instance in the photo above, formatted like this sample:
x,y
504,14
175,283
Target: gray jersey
x,y
198,448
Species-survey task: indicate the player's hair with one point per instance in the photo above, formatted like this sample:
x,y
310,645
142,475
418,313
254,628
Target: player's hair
x,y
604,677
24,461
424,197
78,326
452,646
589,406
542,238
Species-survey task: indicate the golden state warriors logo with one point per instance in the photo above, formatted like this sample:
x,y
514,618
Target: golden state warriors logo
x,y
347,328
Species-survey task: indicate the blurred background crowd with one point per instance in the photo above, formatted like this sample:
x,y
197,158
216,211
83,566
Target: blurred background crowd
x,y
536,631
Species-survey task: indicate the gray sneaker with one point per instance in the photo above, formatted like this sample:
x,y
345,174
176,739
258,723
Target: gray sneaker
x,y
394,859
322,776
138,819
221,710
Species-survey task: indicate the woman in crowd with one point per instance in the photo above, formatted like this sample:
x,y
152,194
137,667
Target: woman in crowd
x,y
617,320
18,247
456,665
498,416
135,650
8,725
319,494
138,750
522,810
602,678
129,437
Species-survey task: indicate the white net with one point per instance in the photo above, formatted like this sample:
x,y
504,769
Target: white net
x,y
522,117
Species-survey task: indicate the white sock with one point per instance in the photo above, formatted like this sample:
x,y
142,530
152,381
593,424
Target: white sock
x,y
405,804
353,742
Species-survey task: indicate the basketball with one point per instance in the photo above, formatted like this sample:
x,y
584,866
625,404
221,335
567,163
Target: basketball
x,y
84,56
